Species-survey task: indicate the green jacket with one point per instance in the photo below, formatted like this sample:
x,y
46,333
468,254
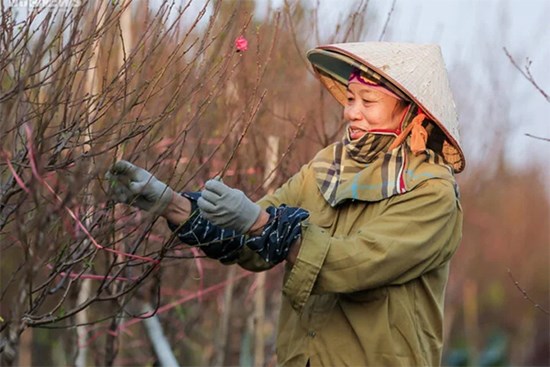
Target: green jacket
x,y
368,286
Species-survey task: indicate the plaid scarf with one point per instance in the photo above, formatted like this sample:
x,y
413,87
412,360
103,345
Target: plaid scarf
x,y
366,170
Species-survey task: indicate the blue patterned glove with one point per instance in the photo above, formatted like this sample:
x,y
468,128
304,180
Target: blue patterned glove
x,y
280,232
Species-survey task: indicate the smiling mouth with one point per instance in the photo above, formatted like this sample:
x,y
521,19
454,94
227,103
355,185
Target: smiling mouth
x,y
356,133
356,130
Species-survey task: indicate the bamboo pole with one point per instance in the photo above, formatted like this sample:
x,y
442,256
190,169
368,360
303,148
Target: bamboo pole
x,y
259,320
82,318
25,348
92,86
471,317
223,330
127,39
272,152
156,335
152,325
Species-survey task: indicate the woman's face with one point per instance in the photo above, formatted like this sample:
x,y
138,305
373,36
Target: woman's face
x,y
370,110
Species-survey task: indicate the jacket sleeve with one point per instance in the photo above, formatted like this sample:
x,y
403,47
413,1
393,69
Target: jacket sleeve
x,y
287,194
415,232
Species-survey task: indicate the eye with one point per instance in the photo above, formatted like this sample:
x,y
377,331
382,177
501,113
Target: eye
x,y
350,99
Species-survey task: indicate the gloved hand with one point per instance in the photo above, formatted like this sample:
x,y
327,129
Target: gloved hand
x,y
226,207
135,186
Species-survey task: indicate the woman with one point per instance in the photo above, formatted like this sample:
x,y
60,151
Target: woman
x,y
366,229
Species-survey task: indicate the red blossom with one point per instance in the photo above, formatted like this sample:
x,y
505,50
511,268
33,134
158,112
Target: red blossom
x,y
241,44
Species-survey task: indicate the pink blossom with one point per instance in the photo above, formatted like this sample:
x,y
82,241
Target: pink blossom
x,y
241,44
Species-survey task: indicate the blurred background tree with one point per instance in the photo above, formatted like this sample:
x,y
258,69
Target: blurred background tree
x,y
162,85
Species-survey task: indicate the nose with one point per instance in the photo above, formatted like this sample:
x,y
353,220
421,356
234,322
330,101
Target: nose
x,y
352,112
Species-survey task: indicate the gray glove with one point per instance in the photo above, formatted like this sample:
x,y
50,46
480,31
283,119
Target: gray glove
x,y
135,186
226,207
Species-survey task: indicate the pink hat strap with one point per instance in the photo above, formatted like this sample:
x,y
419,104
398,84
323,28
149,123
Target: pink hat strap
x,y
356,76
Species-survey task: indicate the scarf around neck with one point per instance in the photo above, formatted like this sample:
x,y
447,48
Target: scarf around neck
x,y
365,169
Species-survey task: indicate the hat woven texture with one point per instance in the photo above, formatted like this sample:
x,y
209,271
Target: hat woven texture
x,y
417,70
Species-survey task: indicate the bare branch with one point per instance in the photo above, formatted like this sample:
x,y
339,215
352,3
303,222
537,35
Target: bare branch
x,y
537,137
388,17
527,74
525,295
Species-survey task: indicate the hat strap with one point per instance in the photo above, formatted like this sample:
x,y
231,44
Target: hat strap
x,y
419,135
356,76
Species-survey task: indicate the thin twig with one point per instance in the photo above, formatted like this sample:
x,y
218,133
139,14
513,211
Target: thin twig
x,y
247,125
525,295
537,137
527,74
388,17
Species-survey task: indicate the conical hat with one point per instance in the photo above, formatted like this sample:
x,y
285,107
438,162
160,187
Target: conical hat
x,y
417,70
